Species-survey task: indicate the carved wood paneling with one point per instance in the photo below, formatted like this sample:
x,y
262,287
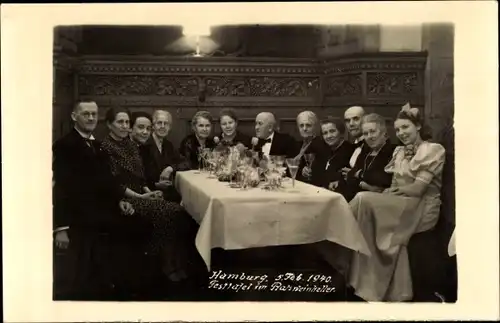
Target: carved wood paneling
x,y
283,86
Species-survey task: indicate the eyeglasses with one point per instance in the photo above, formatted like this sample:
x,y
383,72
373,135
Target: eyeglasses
x,y
87,115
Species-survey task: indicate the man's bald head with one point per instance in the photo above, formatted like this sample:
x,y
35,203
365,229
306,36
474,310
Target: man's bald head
x,y
265,123
352,118
307,122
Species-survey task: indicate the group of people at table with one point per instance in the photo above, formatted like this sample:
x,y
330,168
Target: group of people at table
x,y
122,186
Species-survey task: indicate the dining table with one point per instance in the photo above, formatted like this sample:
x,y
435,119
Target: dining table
x,y
235,218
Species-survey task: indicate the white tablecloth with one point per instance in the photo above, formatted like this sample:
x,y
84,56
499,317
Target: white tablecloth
x,y
232,218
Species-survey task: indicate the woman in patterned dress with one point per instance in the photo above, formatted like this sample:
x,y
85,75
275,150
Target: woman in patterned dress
x,y
169,219
388,220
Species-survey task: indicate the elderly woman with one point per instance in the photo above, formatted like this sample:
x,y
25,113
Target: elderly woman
x,y
389,219
368,173
325,169
200,138
230,135
153,160
168,219
308,125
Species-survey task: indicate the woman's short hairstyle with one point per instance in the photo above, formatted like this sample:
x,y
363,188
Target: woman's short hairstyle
x,y
339,124
377,119
139,114
229,113
201,114
112,112
415,117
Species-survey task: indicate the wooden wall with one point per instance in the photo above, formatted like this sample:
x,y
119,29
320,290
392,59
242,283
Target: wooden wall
x,y
381,82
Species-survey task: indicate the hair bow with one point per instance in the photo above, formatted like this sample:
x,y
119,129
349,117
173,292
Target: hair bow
x,y
408,109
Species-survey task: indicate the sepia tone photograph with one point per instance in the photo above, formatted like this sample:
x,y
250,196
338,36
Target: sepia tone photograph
x,y
254,163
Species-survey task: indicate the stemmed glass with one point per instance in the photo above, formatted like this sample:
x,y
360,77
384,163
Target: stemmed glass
x,y
200,158
309,158
205,152
279,161
293,167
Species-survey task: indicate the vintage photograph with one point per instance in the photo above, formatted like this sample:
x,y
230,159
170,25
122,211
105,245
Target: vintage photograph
x,y
254,162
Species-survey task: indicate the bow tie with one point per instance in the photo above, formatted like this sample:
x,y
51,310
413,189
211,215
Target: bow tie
x,y
268,141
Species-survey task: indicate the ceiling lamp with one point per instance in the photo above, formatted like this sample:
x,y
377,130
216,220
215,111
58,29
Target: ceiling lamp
x,y
196,30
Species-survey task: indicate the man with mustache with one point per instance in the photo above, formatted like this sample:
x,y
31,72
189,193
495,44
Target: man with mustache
x,y
161,160
90,217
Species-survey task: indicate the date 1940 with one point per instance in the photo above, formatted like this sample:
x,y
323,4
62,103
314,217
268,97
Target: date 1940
x,y
311,278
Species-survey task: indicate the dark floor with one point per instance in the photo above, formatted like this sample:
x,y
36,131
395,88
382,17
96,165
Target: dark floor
x,y
245,270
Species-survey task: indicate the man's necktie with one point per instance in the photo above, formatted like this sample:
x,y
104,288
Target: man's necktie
x,y
268,141
90,144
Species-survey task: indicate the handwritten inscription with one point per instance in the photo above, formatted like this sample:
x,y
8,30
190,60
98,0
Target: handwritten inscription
x,y
283,282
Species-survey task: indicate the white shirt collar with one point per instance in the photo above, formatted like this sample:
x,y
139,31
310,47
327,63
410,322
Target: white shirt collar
x,y
90,137
270,137
359,139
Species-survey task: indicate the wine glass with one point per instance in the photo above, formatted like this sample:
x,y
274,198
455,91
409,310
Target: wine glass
x,y
293,167
280,161
309,158
200,158
204,158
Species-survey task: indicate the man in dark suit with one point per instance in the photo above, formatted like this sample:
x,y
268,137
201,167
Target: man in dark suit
x,y
161,160
353,117
89,213
270,142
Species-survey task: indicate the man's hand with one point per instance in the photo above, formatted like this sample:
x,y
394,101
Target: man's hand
x,y
163,184
333,185
126,208
62,240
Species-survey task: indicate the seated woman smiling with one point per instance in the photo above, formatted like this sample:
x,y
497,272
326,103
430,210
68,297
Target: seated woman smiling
x,y
230,135
368,173
389,219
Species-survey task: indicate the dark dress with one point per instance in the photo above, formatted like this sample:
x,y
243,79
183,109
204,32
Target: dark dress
x,y
326,167
239,138
188,149
86,196
155,162
372,171
168,218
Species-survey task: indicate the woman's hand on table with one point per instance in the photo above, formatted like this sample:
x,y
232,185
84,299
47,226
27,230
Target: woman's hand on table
x,y
344,172
333,185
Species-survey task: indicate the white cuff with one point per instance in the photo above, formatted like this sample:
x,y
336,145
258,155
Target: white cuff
x,y
61,229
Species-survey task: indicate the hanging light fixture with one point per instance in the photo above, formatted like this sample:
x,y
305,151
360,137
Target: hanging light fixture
x,y
196,30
